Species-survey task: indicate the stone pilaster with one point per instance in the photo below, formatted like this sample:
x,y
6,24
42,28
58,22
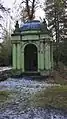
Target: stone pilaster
x,y
51,55
47,56
18,56
42,56
14,62
22,57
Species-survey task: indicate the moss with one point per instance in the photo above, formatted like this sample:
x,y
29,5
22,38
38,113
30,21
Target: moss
x,y
4,95
54,97
15,73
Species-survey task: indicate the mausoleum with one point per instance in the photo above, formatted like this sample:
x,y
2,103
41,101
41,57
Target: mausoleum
x,y
32,49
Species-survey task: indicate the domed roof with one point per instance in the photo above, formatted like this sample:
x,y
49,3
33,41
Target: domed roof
x,y
31,25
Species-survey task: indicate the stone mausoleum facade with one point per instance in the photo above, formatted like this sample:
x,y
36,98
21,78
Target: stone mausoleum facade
x,y
32,47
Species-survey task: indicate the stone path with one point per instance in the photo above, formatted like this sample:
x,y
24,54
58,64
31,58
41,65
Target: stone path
x,y
4,68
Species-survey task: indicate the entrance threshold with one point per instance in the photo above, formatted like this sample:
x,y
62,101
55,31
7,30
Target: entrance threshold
x,y
31,73
34,75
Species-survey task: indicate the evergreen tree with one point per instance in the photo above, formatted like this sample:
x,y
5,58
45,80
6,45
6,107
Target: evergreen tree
x,y
54,14
64,43
5,51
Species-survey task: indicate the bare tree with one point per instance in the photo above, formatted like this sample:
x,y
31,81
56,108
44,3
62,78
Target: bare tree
x,y
3,13
27,8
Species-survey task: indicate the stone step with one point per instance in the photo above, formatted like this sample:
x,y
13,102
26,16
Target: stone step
x,y
31,73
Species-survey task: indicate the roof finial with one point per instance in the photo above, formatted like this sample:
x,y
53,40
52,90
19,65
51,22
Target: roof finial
x,y
17,27
44,22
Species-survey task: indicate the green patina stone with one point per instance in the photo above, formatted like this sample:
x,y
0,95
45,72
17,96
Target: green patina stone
x,y
32,48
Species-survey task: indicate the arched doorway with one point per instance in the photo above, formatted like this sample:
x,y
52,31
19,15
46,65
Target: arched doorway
x,y
30,58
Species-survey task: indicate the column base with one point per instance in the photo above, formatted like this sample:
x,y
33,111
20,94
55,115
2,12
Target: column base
x,y
45,73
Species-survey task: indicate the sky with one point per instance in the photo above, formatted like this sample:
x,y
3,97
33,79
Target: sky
x,y
8,3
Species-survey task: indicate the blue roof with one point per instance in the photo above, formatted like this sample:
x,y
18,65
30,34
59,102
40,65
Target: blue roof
x,y
31,25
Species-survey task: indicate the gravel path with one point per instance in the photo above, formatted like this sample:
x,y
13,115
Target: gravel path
x,y
19,106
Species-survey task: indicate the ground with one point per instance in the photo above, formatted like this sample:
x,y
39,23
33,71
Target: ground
x,y
51,97
55,96
22,98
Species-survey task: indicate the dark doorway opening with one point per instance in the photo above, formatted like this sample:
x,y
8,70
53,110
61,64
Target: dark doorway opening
x,y
30,58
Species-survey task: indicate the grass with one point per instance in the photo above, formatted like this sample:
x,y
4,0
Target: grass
x,y
4,95
55,97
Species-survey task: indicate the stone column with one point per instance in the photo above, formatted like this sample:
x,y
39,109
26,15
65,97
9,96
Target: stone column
x,y
49,60
47,57
14,56
42,56
38,55
22,57
18,56
23,61
38,60
51,55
